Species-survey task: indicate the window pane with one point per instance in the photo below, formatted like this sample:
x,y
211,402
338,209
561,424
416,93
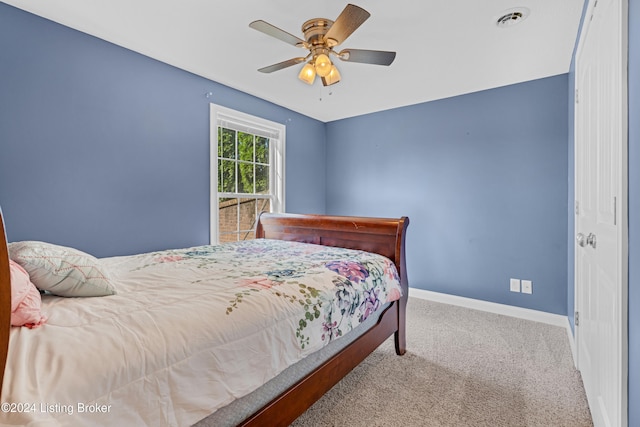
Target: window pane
x,y
250,235
264,205
226,176
245,181
262,150
227,143
227,216
245,147
247,214
262,179
226,238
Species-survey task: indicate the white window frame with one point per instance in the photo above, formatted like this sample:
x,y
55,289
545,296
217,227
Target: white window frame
x,y
276,132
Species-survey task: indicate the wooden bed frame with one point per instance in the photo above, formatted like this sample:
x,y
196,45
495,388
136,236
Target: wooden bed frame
x,y
379,235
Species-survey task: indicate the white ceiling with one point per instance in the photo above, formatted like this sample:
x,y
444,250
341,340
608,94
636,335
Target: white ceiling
x,y
444,47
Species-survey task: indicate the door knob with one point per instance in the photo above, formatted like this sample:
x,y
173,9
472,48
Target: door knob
x,y
591,240
580,240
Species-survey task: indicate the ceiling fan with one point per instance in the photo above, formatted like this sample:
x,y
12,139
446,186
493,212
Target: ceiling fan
x,y
321,36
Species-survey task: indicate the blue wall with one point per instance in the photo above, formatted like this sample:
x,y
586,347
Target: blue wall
x,y
634,212
107,150
483,178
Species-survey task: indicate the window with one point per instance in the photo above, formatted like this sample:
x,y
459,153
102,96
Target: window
x,y
247,172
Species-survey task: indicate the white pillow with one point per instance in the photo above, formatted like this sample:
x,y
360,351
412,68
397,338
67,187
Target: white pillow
x,y
63,271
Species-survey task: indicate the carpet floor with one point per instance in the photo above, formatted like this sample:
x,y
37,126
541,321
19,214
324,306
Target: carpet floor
x,y
463,367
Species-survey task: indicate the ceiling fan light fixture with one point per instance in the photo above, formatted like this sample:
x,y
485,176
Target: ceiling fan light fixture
x,y
321,36
308,73
323,65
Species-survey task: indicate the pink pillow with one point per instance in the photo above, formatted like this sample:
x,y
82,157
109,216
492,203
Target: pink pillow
x,y
25,299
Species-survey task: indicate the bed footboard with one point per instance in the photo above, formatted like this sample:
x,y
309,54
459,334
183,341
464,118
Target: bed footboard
x,y
5,300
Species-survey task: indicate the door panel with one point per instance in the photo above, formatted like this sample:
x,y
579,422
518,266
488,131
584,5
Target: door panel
x,y
600,173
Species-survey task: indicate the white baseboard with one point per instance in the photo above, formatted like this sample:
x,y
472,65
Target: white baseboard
x,y
506,310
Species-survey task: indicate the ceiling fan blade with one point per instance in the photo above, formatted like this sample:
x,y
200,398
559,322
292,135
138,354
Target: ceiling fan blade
x,y
377,57
349,20
281,65
276,32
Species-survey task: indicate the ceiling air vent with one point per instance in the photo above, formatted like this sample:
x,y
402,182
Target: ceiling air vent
x,y
512,17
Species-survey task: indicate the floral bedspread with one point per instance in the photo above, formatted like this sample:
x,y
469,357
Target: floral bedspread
x,y
333,289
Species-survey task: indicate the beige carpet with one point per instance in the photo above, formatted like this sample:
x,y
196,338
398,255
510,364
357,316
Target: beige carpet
x,y
463,367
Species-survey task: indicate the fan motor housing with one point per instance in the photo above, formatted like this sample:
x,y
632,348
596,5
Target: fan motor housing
x,y
315,29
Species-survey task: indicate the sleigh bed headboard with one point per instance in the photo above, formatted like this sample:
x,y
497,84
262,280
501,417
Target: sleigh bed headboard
x,y
384,236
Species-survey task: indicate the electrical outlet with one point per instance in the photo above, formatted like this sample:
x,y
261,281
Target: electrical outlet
x,y
527,287
515,285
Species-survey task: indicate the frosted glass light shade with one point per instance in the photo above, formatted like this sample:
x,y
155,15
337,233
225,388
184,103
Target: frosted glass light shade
x,y
323,65
307,74
332,77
